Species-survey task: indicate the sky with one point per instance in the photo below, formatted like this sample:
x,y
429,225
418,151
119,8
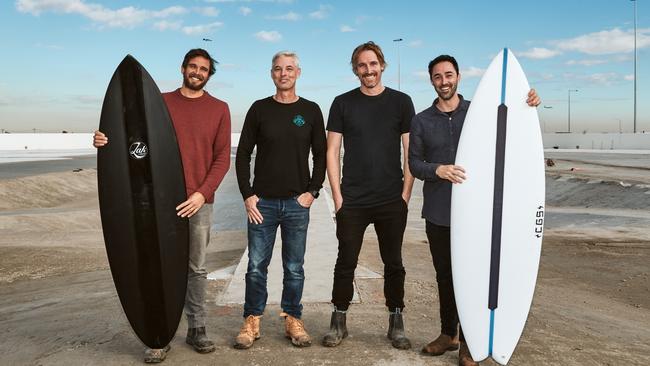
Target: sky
x,y
59,55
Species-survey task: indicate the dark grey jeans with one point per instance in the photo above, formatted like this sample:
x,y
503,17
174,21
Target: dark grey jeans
x,y
197,273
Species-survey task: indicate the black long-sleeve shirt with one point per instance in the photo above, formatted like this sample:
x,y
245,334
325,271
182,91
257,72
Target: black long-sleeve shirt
x,y
284,135
433,142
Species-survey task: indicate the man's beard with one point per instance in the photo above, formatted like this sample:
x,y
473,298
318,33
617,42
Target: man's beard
x,y
450,94
367,83
196,87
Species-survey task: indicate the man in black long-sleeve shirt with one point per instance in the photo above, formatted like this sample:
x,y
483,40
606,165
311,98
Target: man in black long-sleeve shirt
x,y
432,153
284,127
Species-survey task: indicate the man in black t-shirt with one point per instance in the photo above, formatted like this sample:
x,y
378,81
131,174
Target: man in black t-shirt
x,y
284,127
371,121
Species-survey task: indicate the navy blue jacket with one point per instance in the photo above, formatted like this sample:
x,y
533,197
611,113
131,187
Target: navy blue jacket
x,y
433,142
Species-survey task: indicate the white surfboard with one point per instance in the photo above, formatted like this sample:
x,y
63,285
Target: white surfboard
x,y
497,214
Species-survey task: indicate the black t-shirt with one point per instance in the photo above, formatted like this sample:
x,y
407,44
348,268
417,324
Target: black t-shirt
x,y
372,127
284,134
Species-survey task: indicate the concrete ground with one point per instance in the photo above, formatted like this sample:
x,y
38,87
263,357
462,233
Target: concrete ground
x,y
58,305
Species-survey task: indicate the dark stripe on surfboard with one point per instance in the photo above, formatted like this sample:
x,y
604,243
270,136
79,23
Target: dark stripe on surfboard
x,y
497,207
142,196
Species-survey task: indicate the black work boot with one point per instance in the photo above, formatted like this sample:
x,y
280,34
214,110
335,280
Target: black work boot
x,y
197,338
338,329
396,330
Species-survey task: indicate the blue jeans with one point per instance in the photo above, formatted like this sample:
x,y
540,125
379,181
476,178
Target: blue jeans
x,y
293,220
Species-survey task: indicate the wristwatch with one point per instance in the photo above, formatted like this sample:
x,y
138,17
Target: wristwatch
x,y
315,193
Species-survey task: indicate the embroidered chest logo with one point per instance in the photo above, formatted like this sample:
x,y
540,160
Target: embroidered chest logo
x,y
298,120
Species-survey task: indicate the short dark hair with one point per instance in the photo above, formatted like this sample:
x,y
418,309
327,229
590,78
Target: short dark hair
x,y
442,58
368,46
199,52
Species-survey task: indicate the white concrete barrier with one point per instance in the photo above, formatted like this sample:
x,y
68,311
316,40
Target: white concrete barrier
x,y
57,141
597,141
46,141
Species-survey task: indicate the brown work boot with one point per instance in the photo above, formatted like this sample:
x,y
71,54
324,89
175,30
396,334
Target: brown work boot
x,y
294,329
464,357
441,345
249,332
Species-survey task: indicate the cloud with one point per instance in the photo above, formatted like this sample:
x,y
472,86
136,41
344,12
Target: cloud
x,y
245,10
606,78
586,62
538,53
126,17
268,36
601,78
623,58
605,42
201,28
290,16
322,12
207,11
346,29
169,11
165,25
416,43
472,72
629,77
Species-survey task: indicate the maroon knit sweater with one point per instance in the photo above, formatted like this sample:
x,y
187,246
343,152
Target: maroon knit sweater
x,y
203,131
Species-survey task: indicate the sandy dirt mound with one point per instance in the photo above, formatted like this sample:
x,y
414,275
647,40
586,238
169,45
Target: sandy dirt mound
x,y
47,190
20,263
52,221
584,192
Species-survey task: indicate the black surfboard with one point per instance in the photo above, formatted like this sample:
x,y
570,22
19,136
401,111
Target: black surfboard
x,y
140,181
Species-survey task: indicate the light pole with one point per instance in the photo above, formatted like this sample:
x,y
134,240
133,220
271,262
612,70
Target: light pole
x,y
546,107
569,115
399,86
620,130
634,129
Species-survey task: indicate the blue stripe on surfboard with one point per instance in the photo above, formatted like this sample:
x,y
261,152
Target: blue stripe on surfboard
x,y
503,76
491,333
498,201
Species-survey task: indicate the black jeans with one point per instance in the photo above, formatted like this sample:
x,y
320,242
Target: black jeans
x,y
440,248
351,224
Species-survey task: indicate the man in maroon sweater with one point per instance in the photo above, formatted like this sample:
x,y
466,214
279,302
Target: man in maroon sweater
x,y
202,125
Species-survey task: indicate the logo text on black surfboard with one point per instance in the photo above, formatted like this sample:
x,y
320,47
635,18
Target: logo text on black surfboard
x,y
138,150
